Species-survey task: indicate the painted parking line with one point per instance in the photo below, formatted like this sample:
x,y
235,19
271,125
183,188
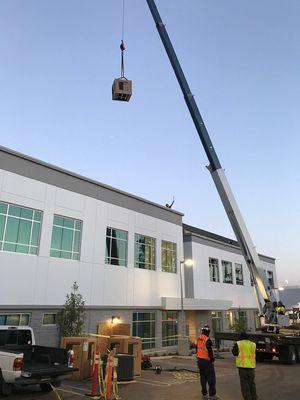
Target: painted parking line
x,y
153,383
70,392
75,387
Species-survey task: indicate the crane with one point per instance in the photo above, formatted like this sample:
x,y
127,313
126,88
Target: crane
x,y
217,172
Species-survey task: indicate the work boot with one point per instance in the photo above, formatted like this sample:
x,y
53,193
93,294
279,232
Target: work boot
x,y
205,397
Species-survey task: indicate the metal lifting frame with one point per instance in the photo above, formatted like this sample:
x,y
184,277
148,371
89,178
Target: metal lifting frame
x,y
217,172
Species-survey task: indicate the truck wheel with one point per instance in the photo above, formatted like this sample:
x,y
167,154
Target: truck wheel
x,y
45,387
287,355
5,388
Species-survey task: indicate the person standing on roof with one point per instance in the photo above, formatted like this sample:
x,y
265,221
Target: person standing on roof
x,y
205,360
244,350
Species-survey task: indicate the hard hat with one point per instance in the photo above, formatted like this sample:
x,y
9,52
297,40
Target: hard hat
x,y
205,327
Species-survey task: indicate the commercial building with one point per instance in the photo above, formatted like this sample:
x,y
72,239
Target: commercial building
x,y
57,227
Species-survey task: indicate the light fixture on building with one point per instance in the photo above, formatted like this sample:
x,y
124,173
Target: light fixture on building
x,y
115,320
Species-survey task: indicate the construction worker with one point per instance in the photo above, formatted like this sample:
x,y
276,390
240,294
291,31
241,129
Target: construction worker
x,y
280,309
205,360
245,350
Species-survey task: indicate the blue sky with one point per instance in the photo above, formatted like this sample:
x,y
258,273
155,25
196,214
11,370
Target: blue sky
x,y
242,60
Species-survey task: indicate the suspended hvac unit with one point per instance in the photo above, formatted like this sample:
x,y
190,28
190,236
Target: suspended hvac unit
x,y
122,89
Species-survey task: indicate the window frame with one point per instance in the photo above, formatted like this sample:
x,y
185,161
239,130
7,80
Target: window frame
x,y
270,276
74,230
108,258
223,271
20,315
171,340
213,267
151,247
238,281
55,319
10,216
149,342
169,253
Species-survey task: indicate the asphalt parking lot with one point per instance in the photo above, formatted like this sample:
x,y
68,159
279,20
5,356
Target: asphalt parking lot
x,y
274,382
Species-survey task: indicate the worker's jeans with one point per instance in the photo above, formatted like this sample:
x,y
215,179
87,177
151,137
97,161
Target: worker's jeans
x,y
207,376
247,380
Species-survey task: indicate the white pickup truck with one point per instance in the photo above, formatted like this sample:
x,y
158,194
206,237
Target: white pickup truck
x,y
23,363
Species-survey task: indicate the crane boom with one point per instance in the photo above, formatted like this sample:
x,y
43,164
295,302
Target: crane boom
x,y
217,172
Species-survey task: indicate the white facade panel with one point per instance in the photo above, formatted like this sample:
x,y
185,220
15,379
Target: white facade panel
x,y
46,280
242,296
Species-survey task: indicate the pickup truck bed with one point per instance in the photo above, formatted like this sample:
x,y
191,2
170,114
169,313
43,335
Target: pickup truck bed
x,y
24,363
40,362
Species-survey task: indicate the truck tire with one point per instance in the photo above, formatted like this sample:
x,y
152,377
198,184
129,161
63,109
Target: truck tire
x,y
5,388
287,355
45,387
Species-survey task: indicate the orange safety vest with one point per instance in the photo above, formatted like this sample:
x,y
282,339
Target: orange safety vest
x,y
202,351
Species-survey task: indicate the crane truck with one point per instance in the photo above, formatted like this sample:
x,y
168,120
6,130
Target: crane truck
x,y
285,346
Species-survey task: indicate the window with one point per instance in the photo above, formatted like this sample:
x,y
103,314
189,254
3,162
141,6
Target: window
x,y
242,317
19,229
66,238
14,319
270,279
169,328
49,319
216,321
239,279
230,319
15,337
257,321
116,247
144,252
214,269
168,256
143,325
227,272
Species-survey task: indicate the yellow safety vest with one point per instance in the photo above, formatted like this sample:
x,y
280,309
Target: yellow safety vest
x,y
246,357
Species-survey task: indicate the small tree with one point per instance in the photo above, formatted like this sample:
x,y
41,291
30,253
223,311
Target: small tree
x,y
71,319
239,323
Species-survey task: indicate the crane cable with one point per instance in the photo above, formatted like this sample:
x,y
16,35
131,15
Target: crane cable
x,y
122,45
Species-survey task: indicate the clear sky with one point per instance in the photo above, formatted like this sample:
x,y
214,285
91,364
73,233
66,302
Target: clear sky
x,y
58,59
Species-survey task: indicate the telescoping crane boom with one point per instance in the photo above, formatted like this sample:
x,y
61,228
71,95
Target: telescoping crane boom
x,y
217,172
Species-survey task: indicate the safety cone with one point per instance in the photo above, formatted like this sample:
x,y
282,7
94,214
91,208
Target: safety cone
x,y
94,393
109,375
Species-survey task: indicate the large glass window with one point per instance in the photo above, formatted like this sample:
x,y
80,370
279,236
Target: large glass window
x,y
116,247
143,325
216,321
66,238
19,229
169,328
168,256
270,277
49,319
230,320
239,279
227,272
15,319
144,252
214,269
